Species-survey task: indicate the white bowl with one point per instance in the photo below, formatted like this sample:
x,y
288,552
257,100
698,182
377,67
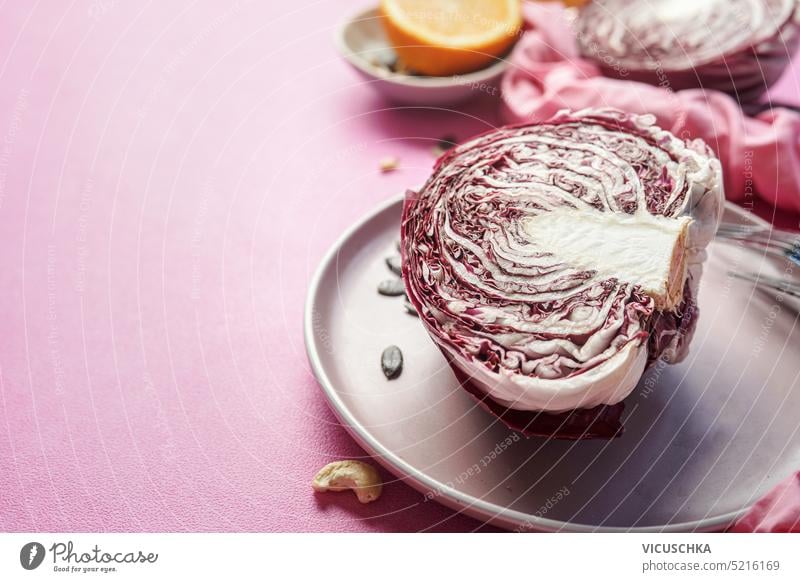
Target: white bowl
x,y
363,44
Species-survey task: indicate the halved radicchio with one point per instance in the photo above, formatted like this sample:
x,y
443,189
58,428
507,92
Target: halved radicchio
x,y
740,47
552,263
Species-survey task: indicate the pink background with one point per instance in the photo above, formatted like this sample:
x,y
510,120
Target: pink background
x,y
171,173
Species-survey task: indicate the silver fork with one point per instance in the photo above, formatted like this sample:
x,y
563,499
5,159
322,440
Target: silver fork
x,y
774,283
774,242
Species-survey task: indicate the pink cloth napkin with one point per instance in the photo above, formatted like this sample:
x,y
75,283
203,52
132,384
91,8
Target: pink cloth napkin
x,y
760,155
778,511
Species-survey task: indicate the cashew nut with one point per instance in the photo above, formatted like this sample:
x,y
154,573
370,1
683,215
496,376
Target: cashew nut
x,y
363,479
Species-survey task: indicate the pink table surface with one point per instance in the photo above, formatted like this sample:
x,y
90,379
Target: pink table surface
x,y
171,173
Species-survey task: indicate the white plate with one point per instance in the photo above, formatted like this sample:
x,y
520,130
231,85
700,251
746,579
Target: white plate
x,y
703,439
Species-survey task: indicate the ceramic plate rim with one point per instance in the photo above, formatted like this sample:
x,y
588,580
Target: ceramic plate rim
x,y
463,503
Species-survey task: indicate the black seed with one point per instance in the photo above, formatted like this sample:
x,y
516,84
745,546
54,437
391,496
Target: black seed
x,y
395,265
392,362
391,64
392,288
446,142
410,309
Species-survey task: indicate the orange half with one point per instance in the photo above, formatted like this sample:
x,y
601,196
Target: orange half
x,y
450,37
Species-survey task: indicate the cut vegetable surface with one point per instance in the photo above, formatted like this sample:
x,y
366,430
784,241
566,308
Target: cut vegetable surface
x,y
553,263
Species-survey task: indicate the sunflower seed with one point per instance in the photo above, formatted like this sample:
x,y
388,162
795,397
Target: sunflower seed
x,y
410,309
392,362
395,265
443,145
448,141
392,287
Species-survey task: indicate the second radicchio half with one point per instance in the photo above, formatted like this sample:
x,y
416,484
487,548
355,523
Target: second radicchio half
x,y
552,263
740,47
